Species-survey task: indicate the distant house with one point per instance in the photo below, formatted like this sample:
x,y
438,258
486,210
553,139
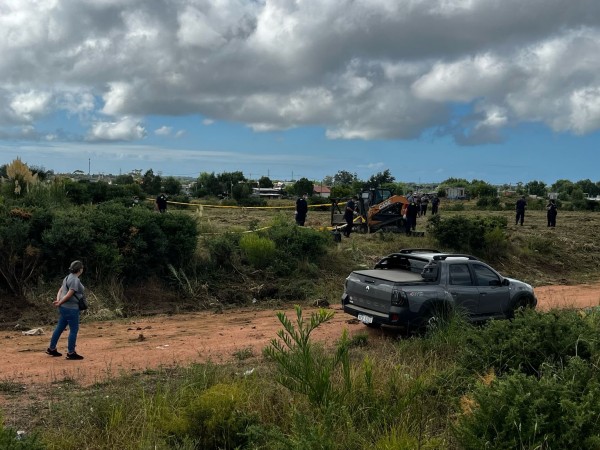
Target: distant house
x,y
456,193
321,191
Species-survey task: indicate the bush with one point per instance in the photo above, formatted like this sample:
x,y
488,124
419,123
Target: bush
x,y
532,340
10,440
466,234
296,244
217,417
223,249
557,411
304,368
259,251
19,256
491,203
112,240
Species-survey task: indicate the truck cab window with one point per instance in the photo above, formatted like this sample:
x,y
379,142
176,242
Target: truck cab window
x,y
460,275
485,277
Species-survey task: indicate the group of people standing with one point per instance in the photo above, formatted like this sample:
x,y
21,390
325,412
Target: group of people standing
x,y
551,212
417,207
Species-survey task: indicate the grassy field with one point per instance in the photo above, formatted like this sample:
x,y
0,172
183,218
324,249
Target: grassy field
x,y
540,255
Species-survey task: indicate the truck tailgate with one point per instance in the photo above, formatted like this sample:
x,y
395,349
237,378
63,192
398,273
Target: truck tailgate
x,y
372,289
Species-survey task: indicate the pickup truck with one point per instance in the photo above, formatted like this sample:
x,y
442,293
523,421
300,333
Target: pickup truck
x,y
414,288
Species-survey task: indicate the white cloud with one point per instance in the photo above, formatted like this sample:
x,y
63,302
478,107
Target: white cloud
x,y
361,69
125,129
30,105
163,131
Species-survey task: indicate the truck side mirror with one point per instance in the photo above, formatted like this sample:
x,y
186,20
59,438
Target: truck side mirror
x,y
505,282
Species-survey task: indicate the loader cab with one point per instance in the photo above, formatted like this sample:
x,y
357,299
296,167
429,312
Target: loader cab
x,y
375,196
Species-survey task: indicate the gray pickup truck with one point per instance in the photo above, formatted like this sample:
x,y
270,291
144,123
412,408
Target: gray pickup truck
x,y
414,287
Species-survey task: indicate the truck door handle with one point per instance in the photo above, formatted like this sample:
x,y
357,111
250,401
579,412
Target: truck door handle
x,y
370,281
454,294
483,294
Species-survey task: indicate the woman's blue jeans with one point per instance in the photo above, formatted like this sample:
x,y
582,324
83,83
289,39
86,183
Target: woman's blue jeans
x,y
66,317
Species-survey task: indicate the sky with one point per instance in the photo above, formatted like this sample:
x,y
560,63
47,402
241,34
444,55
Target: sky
x,y
504,91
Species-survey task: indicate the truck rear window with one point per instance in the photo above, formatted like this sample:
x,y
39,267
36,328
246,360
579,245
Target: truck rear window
x,y
402,262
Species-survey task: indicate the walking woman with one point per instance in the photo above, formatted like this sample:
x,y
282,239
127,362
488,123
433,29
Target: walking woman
x,y
67,302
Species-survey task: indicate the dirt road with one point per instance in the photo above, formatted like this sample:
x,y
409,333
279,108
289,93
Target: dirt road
x,y
120,347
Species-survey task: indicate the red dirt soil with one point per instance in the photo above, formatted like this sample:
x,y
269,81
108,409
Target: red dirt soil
x,y
128,346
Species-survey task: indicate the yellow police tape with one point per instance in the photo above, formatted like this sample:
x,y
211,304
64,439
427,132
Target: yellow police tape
x,y
200,205
244,207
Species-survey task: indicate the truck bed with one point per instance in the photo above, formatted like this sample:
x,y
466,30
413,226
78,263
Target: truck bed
x,y
396,276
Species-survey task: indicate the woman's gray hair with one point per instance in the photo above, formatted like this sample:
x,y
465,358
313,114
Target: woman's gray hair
x,y
75,266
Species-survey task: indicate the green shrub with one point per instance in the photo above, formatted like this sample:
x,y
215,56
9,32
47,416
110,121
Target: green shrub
x,y
252,201
559,410
10,440
259,251
223,249
530,341
494,204
454,206
19,256
304,368
496,245
217,418
296,244
466,234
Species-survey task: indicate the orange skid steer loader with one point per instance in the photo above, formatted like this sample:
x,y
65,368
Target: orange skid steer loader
x,y
378,209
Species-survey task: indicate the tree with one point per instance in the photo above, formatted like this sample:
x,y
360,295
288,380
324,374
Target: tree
x,y
41,172
341,191
124,179
241,191
536,188
151,183
480,188
265,182
230,179
588,187
302,186
172,186
564,187
455,182
380,179
207,184
343,178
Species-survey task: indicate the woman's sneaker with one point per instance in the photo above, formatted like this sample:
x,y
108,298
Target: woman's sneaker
x,y
53,352
74,355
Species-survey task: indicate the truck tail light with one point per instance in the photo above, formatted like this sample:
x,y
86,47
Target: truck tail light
x,y
399,297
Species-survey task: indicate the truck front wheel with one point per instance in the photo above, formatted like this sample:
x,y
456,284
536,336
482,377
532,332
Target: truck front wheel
x,y
522,303
434,318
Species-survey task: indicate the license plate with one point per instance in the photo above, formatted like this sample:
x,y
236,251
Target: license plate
x,y
365,319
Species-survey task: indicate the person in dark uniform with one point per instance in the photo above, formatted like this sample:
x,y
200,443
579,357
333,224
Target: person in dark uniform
x,y
551,207
435,202
161,203
349,215
411,213
520,206
301,210
424,203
